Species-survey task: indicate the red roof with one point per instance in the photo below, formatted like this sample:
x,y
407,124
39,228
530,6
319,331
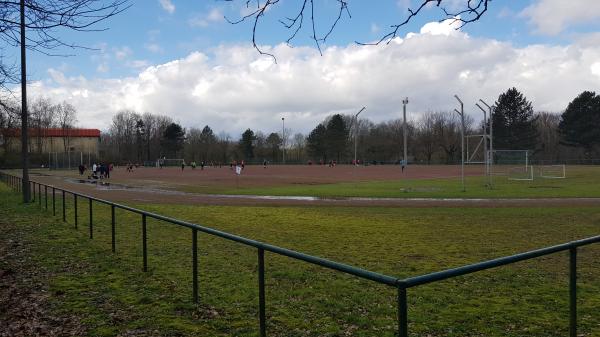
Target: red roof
x,y
53,132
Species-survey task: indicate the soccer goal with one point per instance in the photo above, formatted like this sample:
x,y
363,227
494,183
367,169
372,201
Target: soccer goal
x,y
553,171
506,162
521,173
169,162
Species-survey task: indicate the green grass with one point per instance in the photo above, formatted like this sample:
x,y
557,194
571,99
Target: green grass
x,y
581,182
112,294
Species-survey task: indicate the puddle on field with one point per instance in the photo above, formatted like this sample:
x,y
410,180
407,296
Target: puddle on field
x,y
100,184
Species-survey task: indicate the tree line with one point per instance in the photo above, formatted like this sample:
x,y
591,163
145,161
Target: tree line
x,y
434,138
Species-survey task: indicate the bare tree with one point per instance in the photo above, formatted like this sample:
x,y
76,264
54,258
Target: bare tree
x,y
66,117
43,19
469,11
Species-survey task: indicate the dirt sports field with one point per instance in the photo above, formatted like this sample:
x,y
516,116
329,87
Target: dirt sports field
x,y
172,185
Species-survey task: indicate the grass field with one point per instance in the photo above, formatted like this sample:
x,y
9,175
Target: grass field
x,y
113,295
581,181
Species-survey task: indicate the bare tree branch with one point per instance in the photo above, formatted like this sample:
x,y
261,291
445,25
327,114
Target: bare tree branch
x,y
470,12
44,19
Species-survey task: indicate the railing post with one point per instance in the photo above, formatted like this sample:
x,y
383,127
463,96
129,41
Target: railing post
x,y
53,201
46,196
112,227
75,208
32,190
144,248
64,207
261,293
195,265
402,312
573,292
91,221
39,195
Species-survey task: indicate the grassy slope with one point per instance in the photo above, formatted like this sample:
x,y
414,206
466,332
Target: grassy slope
x,y
112,294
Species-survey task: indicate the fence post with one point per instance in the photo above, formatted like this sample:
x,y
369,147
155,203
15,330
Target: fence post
x,y
64,206
75,208
112,227
261,293
573,292
144,247
402,312
39,195
32,190
53,201
91,221
195,265
46,196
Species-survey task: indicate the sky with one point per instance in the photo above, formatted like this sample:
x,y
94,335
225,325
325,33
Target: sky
x,y
184,59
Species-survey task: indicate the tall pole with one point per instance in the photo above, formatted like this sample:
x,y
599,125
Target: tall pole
x,y
462,141
283,136
404,133
24,124
485,148
491,153
356,133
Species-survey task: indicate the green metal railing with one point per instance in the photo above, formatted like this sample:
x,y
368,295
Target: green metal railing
x,y
402,285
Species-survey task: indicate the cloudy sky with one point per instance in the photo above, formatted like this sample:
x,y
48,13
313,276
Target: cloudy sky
x,y
183,59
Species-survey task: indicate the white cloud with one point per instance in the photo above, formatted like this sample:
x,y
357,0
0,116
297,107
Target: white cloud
x,y
153,47
168,6
553,16
215,15
122,53
102,67
233,88
446,27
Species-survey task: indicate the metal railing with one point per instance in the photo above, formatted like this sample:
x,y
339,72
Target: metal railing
x,y
402,285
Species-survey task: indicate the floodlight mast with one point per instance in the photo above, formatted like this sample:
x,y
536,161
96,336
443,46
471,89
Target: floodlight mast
x,y
462,141
404,133
491,153
356,133
485,149
283,137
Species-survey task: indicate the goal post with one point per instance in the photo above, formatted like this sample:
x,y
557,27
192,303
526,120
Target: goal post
x,y
553,171
166,162
506,160
521,173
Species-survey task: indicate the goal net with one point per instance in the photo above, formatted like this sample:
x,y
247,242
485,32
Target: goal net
x,y
169,162
553,171
520,173
507,161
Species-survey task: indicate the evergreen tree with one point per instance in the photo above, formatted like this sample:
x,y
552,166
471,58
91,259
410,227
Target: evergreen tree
x,y
316,142
337,136
274,141
246,144
580,123
173,138
207,142
514,122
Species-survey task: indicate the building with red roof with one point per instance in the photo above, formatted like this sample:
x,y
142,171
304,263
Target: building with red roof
x,y
53,140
